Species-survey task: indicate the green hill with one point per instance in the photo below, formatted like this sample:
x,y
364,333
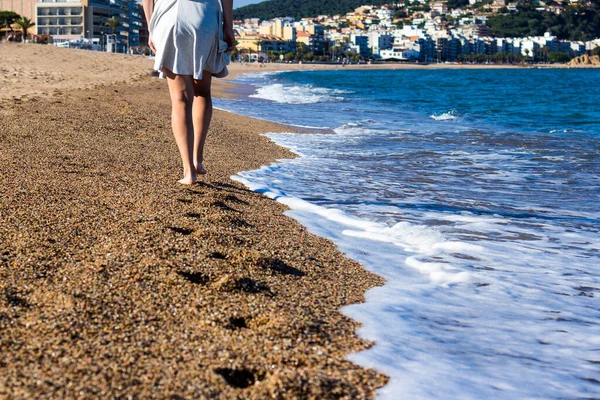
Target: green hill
x,y
300,8
575,23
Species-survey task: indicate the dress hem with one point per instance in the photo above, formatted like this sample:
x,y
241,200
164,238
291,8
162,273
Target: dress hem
x,y
221,74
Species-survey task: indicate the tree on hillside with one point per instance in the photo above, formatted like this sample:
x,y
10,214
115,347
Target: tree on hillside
x,y
301,8
25,24
452,4
575,23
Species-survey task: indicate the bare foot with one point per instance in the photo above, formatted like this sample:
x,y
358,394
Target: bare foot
x,y
200,169
189,178
187,181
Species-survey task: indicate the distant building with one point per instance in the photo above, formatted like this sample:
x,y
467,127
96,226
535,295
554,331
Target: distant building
x,y
25,8
136,16
303,37
497,5
397,54
317,38
380,41
248,41
278,27
64,20
273,43
429,38
361,44
439,7
68,20
512,7
265,43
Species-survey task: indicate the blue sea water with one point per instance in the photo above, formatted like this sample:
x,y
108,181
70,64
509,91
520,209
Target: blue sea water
x,y
476,195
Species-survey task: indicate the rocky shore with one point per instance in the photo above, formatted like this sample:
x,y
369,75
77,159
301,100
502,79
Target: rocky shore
x,y
585,61
116,282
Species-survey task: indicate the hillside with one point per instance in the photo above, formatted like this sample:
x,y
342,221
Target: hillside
x,y
300,8
575,23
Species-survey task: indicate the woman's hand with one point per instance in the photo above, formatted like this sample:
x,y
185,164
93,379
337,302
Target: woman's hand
x,y
151,45
148,6
229,38
227,24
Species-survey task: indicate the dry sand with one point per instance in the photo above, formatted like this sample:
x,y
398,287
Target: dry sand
x,y
28,70
117,282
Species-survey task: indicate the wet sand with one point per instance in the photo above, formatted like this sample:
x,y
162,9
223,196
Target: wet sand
x,y
115,281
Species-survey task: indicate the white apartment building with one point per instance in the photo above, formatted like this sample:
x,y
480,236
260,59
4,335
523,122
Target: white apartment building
x,y
380,41
278,27
399,54
63,19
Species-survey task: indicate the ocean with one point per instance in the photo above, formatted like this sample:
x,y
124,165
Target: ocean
x,y
476,195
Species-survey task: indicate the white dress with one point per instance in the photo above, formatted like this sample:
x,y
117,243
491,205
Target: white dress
x,y
188,37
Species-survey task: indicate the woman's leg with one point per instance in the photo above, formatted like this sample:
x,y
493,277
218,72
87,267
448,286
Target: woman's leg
x,y
202,114
181,89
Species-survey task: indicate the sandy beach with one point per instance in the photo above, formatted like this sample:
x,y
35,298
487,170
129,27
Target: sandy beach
x,y
115,281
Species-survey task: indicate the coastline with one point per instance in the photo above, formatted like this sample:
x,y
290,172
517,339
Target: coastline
x,y
237,68
225,88
174,292
59,73
116,281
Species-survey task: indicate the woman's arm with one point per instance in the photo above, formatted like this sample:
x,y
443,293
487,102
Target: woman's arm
x,y
148,6
227,23
227,13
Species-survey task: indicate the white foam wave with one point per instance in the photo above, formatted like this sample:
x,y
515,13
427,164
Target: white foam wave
x,y
403,234
333,215
447,116
419,240
298,94
565,130
251,77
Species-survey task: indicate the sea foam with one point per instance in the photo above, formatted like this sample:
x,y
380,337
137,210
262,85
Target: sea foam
x,y
291,94
447,116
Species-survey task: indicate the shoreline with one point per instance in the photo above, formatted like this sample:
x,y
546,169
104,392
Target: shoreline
x,y
225,88
116,281
59,74
237,68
